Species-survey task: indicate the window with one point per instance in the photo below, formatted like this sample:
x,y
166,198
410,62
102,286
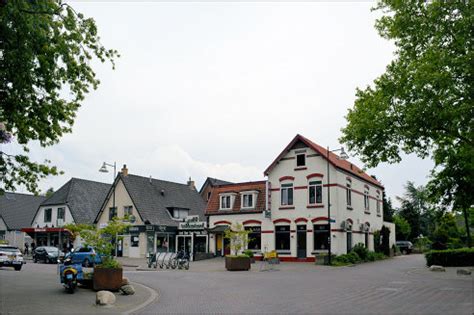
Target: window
x,y
180,213
134,241
300,160
255,237
282,237
348,194
61,214
366,200
47,215
247,201
378,203
321,236
287,194
127,211
225,202
315,192
112,213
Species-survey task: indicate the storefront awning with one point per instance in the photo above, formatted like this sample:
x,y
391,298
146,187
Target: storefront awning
x,y
31,231
218,229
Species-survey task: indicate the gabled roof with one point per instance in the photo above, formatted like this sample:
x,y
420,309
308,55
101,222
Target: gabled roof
x,y
152,204
214,203
333,159
18,210
83,197
213,182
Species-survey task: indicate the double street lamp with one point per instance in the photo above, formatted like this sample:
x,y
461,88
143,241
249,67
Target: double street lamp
x,y
342,156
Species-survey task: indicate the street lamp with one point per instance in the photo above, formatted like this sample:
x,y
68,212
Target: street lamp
x,y
104,169
342,156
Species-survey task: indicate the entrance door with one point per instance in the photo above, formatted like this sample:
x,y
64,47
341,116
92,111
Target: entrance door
x,y
349,241
301,241
226,246
219,244
185,243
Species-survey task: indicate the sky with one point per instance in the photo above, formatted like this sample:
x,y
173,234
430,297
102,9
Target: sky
x,y
220,88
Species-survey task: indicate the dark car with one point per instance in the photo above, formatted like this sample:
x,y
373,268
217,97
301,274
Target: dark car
x,y
86,256
405,247
47,254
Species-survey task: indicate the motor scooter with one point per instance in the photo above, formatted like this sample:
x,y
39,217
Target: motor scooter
x,y
70,274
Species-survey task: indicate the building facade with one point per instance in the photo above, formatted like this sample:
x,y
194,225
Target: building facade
x,y
295,222
164,216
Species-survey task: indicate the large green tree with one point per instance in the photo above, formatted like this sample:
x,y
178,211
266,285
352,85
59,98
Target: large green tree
x,y
46,48
423,103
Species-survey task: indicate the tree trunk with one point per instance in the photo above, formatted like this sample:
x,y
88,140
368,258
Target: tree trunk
x,y
466,223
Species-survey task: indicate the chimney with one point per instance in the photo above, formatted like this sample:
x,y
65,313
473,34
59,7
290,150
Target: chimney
x,y
191,184
124,170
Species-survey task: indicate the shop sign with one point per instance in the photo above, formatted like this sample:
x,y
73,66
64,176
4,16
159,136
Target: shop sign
x,y
40,230
192,223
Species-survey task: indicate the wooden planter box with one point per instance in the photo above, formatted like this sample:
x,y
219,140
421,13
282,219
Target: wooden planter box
x,y
237,263
107,279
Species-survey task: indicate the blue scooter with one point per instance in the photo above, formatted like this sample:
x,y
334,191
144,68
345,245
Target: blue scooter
x,y
70,274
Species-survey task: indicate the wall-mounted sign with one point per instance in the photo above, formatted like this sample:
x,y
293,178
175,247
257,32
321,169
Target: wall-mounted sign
x,y
192,223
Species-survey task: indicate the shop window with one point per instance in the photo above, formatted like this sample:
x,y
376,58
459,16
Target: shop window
x,y
282,237
127,211
300,160
287,194
135,241
321,236
255,237
112,213
48,215
315,192
61,214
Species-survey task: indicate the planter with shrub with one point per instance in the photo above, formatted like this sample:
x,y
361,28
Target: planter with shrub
x,y
450,257
239,240
250,254
237,263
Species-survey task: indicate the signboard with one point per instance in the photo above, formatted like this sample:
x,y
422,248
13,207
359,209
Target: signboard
x,y
192,223
151,228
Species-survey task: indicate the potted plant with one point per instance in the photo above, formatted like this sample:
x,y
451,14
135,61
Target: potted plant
x,y
108,273
250,254
238,238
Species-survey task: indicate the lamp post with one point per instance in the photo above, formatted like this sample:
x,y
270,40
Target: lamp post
x,y
104,169
342,156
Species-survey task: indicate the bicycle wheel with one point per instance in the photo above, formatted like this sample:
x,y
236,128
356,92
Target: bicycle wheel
x,y
186,265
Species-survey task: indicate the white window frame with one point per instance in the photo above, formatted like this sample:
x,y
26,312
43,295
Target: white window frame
x,y
311,183
282,188
252,193
349,194
366,200
231,201
127,207
378,203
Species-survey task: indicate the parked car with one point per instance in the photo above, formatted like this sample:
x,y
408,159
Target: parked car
x,y
405,247
86,256
47,254
11,256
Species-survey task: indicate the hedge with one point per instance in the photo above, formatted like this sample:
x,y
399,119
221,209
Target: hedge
x,y
450,257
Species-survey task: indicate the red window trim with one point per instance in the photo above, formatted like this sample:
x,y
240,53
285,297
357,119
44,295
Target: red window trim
x,y
314,206
301,220
314,175
252,222
281,221
319,219
286,178
222,222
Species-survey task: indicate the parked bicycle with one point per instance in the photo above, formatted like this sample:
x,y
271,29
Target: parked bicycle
x,y
182,260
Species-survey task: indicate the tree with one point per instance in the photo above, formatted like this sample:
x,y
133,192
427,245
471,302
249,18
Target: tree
x,y
45,72
49,192
446,233
238,237
402,227
423,103
388,209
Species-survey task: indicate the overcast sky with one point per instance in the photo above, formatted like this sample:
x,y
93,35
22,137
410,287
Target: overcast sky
x,y
219,89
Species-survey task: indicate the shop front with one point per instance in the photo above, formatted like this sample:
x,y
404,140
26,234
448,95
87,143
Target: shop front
x,y
142,239
56,237
193,238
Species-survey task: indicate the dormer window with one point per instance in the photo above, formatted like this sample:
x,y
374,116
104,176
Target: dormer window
x,y
227,201
300,160
248,199
180,214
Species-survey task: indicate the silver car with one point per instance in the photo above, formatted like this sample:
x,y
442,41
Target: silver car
x,y
10,256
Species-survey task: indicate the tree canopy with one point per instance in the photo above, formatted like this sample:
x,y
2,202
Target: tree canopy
x,y
45,72
423,103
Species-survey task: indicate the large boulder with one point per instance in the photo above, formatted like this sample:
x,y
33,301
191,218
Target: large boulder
x,y
127,289
125,281
437,268
464,272
104,298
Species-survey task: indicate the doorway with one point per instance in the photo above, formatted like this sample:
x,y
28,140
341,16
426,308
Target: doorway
x,y
301,241
185,243
349,241
219,245
226,246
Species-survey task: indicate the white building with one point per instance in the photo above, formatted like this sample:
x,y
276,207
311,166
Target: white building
x,y
295,222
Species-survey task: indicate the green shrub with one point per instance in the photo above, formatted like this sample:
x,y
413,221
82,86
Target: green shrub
x,y
248,253
361,251
109,263
450,257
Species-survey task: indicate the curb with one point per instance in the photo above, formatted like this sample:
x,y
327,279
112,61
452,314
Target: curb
x,y
155,295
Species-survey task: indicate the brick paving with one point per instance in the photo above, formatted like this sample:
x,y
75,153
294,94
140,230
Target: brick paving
x,y
398,286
